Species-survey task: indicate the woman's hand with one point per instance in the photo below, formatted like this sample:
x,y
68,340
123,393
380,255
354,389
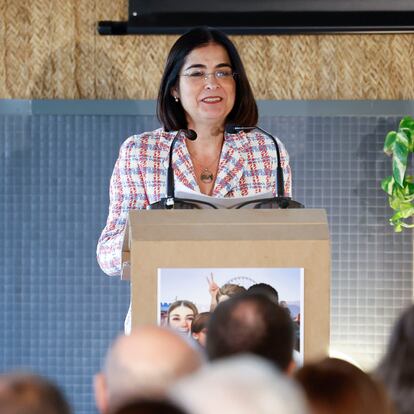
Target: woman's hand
x,y
213,288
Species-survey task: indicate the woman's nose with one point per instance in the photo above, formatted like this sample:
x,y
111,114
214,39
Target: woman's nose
x,y
210,82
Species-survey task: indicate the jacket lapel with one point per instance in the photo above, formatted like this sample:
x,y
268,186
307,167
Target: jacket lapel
x,y
231,167
183,167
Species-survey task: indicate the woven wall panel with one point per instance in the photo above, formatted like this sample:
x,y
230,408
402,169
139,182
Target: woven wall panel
x,y
3,8
51,49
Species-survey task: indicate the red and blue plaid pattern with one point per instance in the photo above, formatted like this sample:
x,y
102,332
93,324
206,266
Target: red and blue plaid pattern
x,y
247,166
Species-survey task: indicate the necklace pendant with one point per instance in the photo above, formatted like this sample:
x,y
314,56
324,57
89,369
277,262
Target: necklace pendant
x,y
206,176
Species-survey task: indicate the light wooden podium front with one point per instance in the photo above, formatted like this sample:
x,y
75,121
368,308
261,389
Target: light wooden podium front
x,y
292,238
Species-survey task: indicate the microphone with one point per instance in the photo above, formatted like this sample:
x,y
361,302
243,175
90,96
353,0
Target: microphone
x,y
168,202
283,202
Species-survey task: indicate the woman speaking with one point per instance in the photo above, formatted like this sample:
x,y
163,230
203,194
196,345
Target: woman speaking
x,y
204,88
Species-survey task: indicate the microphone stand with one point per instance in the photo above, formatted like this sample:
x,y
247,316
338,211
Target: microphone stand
x,y
169,201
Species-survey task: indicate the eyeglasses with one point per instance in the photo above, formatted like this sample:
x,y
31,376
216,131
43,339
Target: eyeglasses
x,y
200,75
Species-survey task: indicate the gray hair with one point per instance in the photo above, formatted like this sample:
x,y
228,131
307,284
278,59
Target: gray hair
x,y
241,384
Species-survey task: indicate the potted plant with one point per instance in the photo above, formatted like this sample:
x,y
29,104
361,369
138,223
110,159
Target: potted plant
x,y
400,186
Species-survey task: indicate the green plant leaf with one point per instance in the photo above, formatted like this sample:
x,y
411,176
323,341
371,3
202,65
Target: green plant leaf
x,y
407,126
389,142
399,162
403,138
396,203
397,225
398,199
397,221
408,189
398,192
396,218
399,187
407,210
408,136
387,184
407,122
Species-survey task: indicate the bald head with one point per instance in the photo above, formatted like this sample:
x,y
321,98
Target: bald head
x,y
144,363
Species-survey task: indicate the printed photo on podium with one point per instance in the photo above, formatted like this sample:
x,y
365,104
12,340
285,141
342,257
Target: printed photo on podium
x,y
185,294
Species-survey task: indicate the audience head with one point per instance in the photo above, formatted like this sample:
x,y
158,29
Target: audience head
x,y
143,364
146,406
180,315
244,384
265,289
199,328
23,393
334,386
251,323
396,370
229,290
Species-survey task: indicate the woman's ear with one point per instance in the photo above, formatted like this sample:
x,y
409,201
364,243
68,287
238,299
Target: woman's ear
x,y
174,93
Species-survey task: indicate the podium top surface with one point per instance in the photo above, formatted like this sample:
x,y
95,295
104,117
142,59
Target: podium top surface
x,y
223,224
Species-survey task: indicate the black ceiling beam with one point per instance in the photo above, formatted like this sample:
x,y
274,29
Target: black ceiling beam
x,y
265,23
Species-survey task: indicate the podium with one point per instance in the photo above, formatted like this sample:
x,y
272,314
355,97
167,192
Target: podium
x,y
292,238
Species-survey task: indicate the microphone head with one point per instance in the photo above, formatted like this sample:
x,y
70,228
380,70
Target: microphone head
x,y
235,129
190,134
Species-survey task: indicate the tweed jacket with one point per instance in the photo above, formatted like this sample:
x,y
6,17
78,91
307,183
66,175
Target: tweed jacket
x,y
247,166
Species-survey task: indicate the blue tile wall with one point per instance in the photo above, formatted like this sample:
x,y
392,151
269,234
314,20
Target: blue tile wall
x,y
59,312
338,165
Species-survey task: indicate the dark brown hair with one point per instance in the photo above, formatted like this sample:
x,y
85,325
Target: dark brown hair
x,y
334,386
265,289
170,113
31,393
251,323
200,322
148,407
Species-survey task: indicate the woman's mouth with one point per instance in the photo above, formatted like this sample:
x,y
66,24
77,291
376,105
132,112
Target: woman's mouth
x,y
183,329
212,99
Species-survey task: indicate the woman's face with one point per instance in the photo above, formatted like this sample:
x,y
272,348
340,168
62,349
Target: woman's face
x,y
181,319
207,99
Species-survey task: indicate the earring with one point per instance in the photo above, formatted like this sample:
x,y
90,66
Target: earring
x,y
176,98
